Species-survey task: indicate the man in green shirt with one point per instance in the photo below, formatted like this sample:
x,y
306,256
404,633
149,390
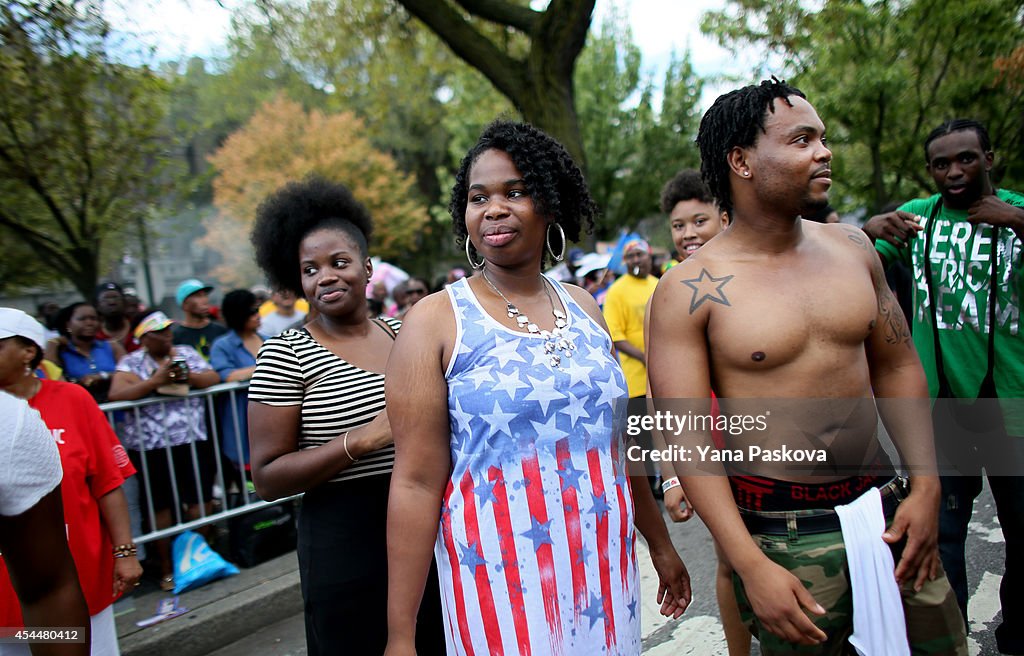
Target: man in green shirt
x,y
964,248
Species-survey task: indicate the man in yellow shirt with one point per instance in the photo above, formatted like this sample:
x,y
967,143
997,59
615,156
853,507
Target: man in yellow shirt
x,y
624,311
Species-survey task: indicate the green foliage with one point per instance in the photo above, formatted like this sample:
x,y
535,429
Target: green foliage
x,y
425,106
22,269
365,56
527,54
212,99
82,149
882,74
417,102
632,149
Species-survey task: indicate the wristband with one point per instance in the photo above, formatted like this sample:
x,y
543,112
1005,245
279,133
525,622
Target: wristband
x,y
670,483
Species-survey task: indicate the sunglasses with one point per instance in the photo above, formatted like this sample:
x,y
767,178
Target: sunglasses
x,y
416,290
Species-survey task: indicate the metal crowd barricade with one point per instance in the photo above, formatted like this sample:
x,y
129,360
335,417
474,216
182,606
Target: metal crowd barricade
x,y
210,396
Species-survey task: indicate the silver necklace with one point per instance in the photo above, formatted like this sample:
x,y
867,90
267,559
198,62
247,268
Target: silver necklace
x,y
554,340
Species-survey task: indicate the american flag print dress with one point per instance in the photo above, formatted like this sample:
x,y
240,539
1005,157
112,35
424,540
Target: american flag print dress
x,y
535,548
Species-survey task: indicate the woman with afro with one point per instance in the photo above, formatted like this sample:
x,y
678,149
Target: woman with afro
x,y
317,417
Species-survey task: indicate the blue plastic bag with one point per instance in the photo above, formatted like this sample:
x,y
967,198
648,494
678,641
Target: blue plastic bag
x,y
196,564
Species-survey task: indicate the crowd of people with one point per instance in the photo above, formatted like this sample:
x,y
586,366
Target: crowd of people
x,y
461,449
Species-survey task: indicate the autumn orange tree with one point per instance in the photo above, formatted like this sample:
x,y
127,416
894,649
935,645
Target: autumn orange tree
x,y
282,143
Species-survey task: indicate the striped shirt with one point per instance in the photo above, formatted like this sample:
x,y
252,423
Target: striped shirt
x,y
294,369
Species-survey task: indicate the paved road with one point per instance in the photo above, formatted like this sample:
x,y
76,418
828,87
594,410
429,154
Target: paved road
x,y
699,631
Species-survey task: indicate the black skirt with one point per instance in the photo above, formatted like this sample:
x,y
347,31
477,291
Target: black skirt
x,y
342,550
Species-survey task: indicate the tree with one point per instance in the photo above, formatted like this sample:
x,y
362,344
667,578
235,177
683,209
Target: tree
x,y
418,102
530,59
632,148
83,151
425,107
1010,75
283,143
372,58
882,73
213,98
21,269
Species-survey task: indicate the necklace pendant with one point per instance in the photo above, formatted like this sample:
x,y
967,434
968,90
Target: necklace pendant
x,y
553,339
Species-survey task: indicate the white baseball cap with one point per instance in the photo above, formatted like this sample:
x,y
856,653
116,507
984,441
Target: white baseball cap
x,y
15,323
592,262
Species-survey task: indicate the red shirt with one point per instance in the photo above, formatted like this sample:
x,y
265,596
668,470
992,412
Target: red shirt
x,y
94,464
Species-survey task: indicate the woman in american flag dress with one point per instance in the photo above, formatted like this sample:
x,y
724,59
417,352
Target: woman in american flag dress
x,y
504,397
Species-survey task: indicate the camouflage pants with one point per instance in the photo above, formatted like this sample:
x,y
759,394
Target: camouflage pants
x,y
934,623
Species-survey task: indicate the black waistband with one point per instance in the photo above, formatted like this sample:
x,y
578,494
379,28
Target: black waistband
x,y
804,522
768,494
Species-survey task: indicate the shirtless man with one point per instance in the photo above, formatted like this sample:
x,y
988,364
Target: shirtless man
x,y
782,308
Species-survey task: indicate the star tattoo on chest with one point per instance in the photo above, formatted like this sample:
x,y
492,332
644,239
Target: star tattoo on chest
x,y
706,288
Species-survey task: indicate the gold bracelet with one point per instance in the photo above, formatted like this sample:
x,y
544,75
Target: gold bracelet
x,y
126,550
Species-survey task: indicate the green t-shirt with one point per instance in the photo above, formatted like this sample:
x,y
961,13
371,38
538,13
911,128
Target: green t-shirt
x,y
961,273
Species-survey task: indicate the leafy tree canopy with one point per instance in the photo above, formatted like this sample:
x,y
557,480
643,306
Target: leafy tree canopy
x,y
283,143
83,150
883,73
527,54
632,147
426,107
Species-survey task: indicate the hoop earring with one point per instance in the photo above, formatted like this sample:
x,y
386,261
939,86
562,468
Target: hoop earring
x,y
547,240
469,257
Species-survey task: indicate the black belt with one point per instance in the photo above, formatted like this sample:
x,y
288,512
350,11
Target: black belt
x,y
818,521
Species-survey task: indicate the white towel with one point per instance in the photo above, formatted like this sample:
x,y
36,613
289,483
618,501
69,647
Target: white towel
x,y
879,627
